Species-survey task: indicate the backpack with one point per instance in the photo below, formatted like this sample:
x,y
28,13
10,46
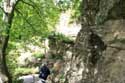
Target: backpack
x,y
44,72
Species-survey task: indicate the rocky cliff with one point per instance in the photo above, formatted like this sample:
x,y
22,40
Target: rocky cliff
x,y
98,53
99,50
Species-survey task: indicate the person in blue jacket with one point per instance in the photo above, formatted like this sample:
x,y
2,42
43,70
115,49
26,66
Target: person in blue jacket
x,y
44,73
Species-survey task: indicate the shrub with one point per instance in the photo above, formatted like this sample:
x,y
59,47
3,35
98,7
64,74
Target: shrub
x,y
38,55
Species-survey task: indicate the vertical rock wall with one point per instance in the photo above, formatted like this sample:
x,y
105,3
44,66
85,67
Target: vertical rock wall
x,y
99,51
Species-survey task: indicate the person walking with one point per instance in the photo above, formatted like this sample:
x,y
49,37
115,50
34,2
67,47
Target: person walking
x,y
44,73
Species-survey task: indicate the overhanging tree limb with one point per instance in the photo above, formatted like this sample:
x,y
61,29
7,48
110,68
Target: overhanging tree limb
x,y
33,5
28,3
25,19
36,9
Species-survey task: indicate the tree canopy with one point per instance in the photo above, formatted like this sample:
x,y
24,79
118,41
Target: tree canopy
x,y
33,18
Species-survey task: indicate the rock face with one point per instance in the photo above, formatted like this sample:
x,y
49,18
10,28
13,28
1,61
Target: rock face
x,y
98,55
113,60
99,51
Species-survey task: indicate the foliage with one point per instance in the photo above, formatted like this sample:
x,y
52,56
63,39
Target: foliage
x,y
59,37
16,48
23,71
56,57
64,4
34,18
76,6
73,5
12,56
18,81
38,55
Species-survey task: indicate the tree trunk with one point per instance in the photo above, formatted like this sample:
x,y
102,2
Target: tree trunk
x,y
8,15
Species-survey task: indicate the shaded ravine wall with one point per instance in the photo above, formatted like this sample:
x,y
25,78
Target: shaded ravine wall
x,y
99,50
